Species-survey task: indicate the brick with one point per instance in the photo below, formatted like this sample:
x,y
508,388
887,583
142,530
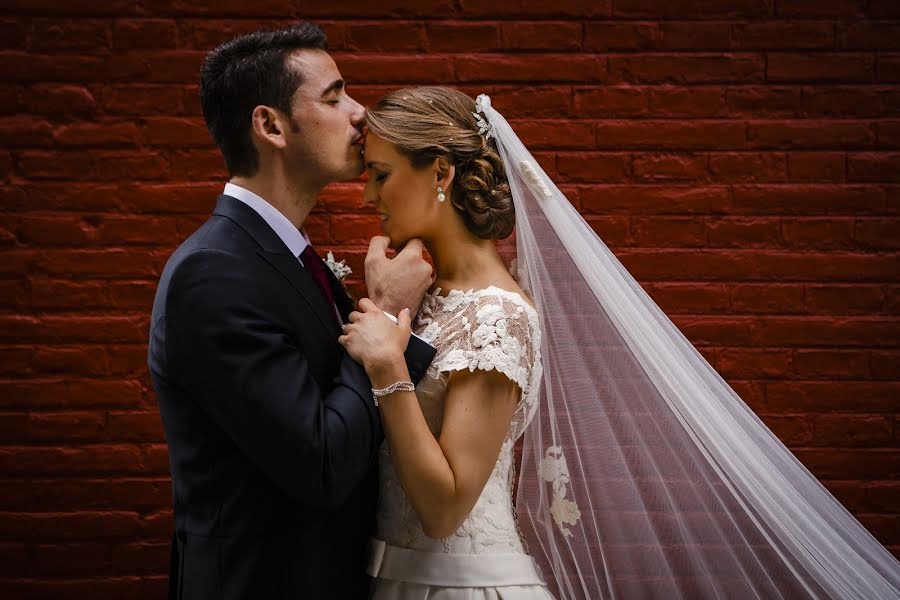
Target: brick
x,y
550,36
713,330
70,393
386,37
670,134
45,7
532,102
141,558
842,102
842,299
817,166
605,36
833,396
796,35
731,68
868,35
176,132
80,460
613,230
610,101
883,496
69,426
742,232
850,463
686,102
831,364
881,9
655,232
196,165
819,331
63,526
25,132
653,199
135,426
791,430
806,199
13,33
72,35
873,167
689,298
555,134
209,32
702,9
888,133
68,328
128,99
887,68
830,67
474,37
94,135
71,559
268,8
545,67
763,363
534,8
669,167
747,166
765,298
395,69
144,34
693,36
808,134
593,166
806,9
60,101
877,234
755,101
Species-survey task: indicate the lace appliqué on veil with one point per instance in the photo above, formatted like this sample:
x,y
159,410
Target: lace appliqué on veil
x,y
555,470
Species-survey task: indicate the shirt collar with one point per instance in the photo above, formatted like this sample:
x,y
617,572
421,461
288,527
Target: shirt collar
x,y
295,239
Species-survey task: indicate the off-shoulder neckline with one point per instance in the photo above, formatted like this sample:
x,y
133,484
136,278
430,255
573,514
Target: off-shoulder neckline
x,y
491,289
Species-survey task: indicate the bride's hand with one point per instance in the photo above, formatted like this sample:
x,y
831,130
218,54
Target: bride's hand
x,y
372,339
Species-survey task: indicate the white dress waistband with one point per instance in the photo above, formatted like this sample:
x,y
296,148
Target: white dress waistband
x,y
450,570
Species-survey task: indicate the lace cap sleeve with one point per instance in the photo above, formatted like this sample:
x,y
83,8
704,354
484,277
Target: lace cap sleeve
x,y
489,331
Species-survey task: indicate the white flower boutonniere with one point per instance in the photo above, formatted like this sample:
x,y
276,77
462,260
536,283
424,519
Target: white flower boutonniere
x,y
339,268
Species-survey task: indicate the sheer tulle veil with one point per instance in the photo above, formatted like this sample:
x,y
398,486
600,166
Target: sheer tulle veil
x,y
643,474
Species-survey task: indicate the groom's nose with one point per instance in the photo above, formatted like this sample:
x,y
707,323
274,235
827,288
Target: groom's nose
x,y
357,114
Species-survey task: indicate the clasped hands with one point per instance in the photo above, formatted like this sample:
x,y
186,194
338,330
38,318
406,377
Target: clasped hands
x,y
396,286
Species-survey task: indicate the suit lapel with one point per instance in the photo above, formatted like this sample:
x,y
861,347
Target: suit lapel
x,y
341,298
272,250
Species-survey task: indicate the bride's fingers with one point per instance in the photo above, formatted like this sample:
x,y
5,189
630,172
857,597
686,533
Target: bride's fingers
x,y
354,316
367,305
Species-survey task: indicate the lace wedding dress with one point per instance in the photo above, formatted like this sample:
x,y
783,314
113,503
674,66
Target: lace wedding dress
x,y
489,329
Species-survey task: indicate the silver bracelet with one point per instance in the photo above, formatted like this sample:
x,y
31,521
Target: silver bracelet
x,y
400,386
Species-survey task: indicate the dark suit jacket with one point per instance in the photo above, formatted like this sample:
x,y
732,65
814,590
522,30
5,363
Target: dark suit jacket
x,y
271,426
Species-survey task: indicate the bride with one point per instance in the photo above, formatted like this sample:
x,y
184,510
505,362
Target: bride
x,y
643,474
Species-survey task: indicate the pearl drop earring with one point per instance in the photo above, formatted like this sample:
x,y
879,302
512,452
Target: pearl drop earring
x,y
441,196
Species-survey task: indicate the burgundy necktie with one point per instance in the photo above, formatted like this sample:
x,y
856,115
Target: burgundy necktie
x,y
317,268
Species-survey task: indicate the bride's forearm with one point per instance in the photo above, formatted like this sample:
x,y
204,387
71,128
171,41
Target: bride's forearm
x,y
417,457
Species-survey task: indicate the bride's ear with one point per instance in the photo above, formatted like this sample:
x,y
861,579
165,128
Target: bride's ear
x,y
444,172
268,126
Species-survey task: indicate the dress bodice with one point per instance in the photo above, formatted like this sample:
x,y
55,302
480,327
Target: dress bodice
x,y
488,329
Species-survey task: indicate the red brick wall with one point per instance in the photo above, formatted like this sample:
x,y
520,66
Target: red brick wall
x,y
741,157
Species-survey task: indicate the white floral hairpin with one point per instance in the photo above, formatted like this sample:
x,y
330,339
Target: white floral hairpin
x,y
339,268
484,128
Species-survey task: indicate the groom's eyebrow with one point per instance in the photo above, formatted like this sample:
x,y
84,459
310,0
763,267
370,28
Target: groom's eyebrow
x,y
337,84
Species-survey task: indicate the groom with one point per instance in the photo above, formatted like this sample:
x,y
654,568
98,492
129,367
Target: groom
x,y
271,426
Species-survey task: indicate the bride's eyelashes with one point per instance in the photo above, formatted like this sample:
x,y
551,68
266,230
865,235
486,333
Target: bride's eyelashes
x,y
380,177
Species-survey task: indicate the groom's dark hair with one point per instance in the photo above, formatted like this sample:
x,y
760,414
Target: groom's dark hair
x,y
244,73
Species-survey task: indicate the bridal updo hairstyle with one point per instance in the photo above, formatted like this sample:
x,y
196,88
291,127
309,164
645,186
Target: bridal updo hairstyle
x,y
426,123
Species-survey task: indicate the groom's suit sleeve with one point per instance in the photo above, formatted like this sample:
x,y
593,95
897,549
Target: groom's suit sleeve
x,y
228,342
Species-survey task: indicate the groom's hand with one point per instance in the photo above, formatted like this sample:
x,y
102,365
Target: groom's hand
x,y
399,282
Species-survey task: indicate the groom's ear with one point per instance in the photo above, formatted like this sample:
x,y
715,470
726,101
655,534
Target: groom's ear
x,y
444,171
269,126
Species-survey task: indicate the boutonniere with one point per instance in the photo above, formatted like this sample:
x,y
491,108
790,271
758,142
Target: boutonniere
x,y
339,268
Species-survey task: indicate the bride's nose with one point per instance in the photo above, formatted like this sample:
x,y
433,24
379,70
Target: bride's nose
x,y
369,194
